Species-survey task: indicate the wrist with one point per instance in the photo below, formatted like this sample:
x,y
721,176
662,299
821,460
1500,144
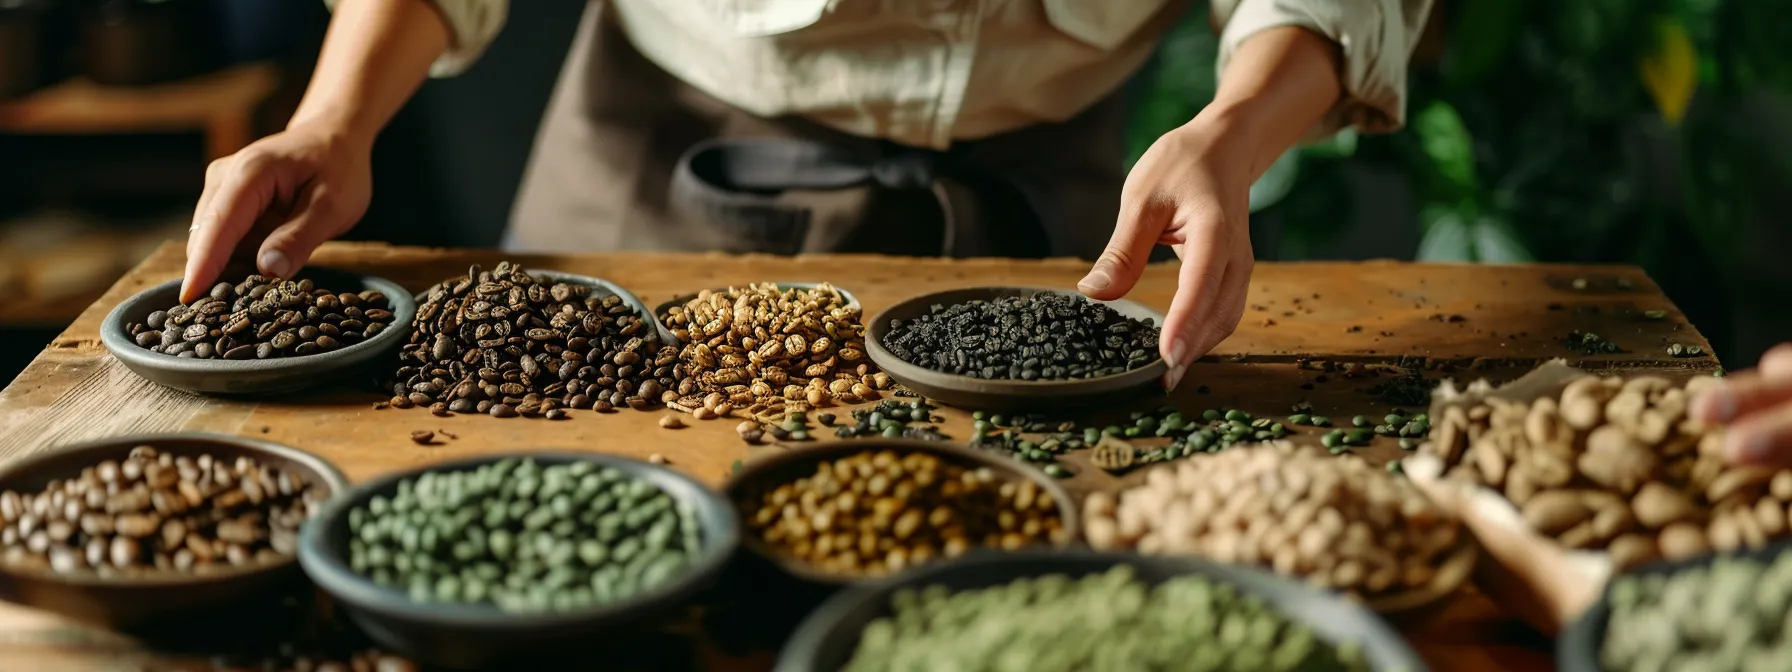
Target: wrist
x,y
1234,123
341,125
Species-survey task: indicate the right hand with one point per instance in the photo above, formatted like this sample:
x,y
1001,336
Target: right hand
x,y
278,199
1757,408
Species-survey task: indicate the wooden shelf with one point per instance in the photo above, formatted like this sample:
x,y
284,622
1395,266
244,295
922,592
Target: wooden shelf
x,y
221,104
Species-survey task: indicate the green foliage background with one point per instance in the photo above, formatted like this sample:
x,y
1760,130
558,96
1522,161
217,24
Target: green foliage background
x,y
1521,140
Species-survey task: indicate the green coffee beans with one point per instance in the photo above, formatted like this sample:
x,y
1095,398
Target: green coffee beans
x,y
1730,615
1108,621
523,536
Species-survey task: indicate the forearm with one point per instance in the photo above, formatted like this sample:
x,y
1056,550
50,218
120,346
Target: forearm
x,y
1279,83
375,55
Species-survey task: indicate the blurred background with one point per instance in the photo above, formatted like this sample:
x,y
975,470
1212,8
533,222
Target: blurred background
x,y
1649,132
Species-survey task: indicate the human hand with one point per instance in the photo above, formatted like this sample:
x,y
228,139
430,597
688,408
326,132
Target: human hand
x,y
280,197
1757,407
1190,190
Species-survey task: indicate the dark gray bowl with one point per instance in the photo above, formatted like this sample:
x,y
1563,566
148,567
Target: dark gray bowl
x,y
257,376
1007,395
601,288
148,603
466,636
659,312
826,640
1577,649
769,472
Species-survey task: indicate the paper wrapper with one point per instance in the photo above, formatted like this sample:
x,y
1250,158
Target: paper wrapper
x,y
1527,573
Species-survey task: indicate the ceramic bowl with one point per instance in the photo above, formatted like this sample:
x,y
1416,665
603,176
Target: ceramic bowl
x,y
469,636
769,472
660,311
144,603
827,639
257,376
1007,395
600,288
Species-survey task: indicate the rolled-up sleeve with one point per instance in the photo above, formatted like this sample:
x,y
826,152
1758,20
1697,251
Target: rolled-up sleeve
x,y
472,25
1376,37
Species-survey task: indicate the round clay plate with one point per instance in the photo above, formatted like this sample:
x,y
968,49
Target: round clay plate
x,y
257,376
1006,395
827,639
665,307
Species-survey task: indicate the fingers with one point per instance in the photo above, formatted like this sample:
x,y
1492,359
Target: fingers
x,y
192,287
1747,393
1764,438
1138,229
1188,326
244,190
286,249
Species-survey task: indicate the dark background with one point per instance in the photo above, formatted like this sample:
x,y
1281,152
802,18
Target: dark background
x,y
447,168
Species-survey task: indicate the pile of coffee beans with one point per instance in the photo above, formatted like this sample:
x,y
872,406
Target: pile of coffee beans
x,y
158,512
264,318
1616,464
524,536
503,343
1040,337
878,512
1730,615
759,345
1107,621
1336,522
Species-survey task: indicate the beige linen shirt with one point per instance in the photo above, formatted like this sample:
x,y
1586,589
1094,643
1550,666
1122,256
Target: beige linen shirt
x,y
928,72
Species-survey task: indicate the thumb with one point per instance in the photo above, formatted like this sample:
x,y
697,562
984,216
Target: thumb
x,y
1120,265
287,248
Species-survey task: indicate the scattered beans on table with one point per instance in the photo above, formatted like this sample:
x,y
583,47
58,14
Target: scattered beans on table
x,y
524,536
264,318
1105,621
1337,522
883,511
503,343
1730,615
158,512
758,348
1040,337
1616,464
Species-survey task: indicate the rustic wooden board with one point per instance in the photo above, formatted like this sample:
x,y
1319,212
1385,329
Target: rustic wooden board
x,y
1464,321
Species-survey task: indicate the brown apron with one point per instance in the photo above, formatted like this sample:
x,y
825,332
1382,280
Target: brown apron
x,y
630,158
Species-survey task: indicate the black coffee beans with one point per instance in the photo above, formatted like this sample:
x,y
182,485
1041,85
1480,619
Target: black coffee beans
x,y
154,511
524,536
264,318
502,343
1039,337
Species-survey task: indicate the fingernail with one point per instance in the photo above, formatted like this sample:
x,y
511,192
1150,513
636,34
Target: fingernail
x,y
1178,354
1173,377
1097,280
1745,448
275,263
1718,405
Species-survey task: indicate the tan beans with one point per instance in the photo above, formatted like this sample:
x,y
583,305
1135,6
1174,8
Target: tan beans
x,y
1337,522
1616,464
877,512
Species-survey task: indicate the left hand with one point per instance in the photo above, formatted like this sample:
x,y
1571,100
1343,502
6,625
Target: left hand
x,y
1757,407
1191,190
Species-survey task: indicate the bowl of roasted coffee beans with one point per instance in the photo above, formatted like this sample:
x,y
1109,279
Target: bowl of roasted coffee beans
x,y
139,532
1723,611
1090,611
847,511
1017,348
260,335
526,556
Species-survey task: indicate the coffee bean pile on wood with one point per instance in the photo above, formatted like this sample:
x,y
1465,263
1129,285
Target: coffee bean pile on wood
x,y
1040,337
1616,464
757,348
155,511
264,318
504,343
1335,521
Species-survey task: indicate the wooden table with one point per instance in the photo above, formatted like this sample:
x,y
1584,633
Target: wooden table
x,y
1477,321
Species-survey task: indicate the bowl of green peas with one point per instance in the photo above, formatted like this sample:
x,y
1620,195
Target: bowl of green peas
x,y
501,560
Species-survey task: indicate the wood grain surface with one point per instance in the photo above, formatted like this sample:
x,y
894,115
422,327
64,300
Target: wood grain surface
x,y
1462,321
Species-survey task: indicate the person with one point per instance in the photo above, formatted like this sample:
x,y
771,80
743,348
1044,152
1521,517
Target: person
x,y
956,127
1756,406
